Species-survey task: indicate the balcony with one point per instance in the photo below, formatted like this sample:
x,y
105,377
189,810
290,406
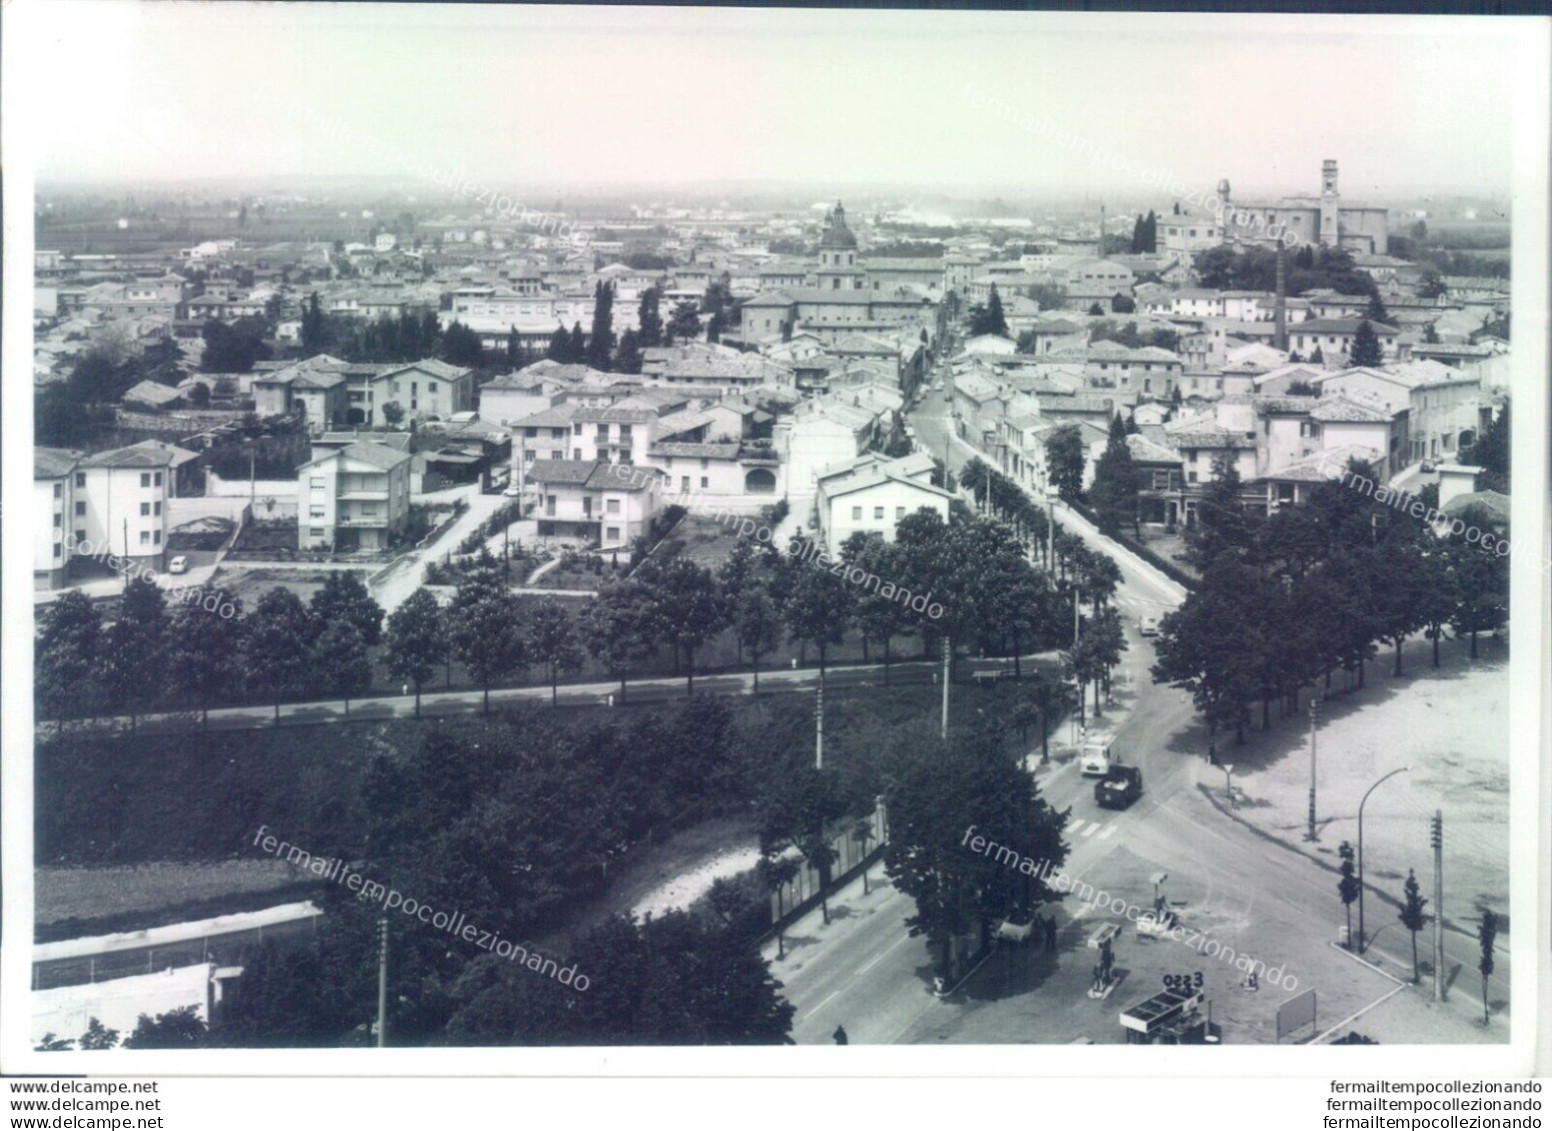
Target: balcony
x,y
358,522
363,497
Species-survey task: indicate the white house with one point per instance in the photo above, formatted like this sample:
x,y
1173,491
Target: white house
x,y
53,490
872,494
355,497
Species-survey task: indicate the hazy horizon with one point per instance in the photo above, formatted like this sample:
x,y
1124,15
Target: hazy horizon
x,y
875,102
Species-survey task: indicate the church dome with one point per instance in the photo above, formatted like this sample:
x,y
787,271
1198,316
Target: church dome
x,y
837,236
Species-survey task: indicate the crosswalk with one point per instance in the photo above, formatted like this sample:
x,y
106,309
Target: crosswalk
x,y
1081,829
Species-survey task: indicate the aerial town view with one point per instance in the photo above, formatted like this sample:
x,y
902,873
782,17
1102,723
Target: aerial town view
x,y
785,554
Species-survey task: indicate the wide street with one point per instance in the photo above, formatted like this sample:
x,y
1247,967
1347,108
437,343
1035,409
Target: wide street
x,y
1238,887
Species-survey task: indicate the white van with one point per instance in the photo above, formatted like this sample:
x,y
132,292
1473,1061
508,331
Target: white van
x,y
1099,754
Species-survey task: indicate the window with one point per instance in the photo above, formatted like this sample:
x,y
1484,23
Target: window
x,y
576,429
705,463
80,509
625,433
899,513
145,537
315,512
158,478
156,537
612,506
562,455
316,482
528,457
612,533
59,490
145,510
59,522
145,479
315,532
878,513
80,479
368,510
684,483
557,433
531,433
856,514
603,431
58,549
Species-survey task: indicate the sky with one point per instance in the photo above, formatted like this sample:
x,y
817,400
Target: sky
x,y
595,96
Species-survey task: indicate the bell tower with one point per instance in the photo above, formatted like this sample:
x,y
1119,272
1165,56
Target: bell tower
x,y
1330,202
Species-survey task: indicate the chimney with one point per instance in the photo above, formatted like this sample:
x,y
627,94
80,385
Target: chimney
x,y
1280,335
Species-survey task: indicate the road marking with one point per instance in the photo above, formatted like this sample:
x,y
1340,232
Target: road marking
x,y
881,957
1108,830
1091,830
1076,826
824,1003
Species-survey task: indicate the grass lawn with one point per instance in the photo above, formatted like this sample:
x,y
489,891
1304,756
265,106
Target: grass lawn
x,y
251,584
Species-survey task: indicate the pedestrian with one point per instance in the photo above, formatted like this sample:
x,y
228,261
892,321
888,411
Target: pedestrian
x,y
406,690
840,1036
1050,932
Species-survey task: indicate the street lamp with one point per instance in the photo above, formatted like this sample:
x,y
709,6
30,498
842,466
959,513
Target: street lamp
x,y
1050,528
1362,939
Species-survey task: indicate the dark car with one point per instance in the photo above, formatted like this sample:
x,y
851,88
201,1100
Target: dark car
x,y
1120,786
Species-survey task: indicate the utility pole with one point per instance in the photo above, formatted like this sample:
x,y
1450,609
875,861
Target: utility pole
x,y
1314,721
382,982
948,661
252,492
1436,838
819,727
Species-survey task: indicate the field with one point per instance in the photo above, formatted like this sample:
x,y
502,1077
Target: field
x,y
263,536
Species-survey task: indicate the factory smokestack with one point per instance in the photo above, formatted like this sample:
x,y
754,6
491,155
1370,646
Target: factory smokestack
x,y
1281,331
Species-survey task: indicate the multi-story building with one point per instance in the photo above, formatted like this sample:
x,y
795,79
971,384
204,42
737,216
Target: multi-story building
x,y
872,494
119,503
602,504
353,498
53,490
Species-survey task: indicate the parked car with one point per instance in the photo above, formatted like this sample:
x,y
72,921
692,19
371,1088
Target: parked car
x,y
1120,786
1430,466
179,564
1148,626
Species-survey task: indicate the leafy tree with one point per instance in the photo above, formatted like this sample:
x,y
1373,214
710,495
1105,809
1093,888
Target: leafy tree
x,y
176,1029
817,608
59,418
461,345
560,346
415,640
1376,311
576,348
621,627
989,319
97,1037
1366,346
344,597
1096,310
1347,887
939,797
1491,451
600,343
484,630
627,359
1222,525
876,616
1481,578
757,625
794,813
552,642
206,664
649,321
199,395
233,349
1115,491
340,655
1487,933
1412,917
66,653
134,658
315,336
276,640
1064,462
689,603
393,414
685,325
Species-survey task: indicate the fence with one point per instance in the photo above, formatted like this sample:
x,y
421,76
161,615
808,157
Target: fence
x,y
224,949
795,898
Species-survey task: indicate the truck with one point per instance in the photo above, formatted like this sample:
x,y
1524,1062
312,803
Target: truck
x,y
1120,786
1099,754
